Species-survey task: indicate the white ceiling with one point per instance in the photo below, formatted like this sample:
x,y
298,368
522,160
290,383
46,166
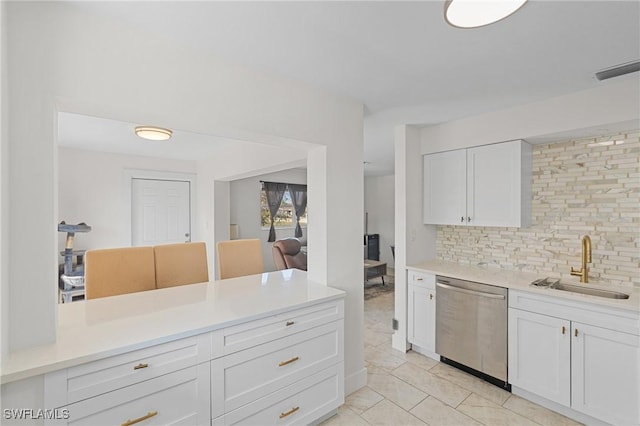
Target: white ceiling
x,y
400,59
104,135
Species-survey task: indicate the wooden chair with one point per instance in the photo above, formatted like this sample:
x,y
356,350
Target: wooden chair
x,y
109,272
180,264
237,258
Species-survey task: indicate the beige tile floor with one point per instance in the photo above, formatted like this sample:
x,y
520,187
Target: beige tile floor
x,y
411,389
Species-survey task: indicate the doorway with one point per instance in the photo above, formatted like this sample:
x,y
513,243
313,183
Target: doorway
x,y
160,211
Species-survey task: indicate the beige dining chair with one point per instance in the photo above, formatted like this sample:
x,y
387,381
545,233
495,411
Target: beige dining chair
x,y
237,258
109,272
180,264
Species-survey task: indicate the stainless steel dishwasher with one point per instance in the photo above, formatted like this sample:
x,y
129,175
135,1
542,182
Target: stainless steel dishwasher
x,y
471,327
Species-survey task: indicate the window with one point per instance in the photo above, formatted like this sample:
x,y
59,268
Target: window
x,y
286,216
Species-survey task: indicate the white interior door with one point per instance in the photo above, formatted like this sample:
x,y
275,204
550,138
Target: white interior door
x,y
160,212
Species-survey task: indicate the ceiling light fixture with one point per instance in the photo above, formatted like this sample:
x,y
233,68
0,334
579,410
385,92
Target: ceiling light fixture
x,y
153,133
478,13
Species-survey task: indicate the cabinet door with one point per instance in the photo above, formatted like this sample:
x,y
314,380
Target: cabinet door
x,y
605,374
494,185
539,355
422,317
445,188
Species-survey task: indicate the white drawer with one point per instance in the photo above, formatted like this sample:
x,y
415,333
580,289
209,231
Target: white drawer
x,y
589,313
246,376
94,378
423,279
178,398
243,336
299,404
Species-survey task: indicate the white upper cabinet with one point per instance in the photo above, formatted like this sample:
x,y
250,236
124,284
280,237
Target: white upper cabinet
x,y
445,188
482,186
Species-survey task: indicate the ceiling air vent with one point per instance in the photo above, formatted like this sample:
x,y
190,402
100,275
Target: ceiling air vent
x,y
618,70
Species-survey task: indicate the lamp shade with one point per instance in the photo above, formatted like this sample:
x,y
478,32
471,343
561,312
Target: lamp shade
x,y
478,13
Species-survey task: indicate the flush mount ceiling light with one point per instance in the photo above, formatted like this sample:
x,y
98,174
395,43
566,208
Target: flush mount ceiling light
x,y
153,133
478,13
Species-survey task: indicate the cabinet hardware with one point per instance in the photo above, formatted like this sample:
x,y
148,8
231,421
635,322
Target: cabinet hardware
x,y
462,219
576,332
139,366
430,296
563,329
419,279
288,413
140,419
468,218
289,361
290,323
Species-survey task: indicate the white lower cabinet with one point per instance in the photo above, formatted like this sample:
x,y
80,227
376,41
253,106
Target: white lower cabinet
x,y
249,375
605,374
286,368
559,351
178,398
298,404
421,312
540,355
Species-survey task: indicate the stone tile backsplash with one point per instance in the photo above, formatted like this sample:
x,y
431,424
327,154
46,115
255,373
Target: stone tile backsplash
x,y
586,186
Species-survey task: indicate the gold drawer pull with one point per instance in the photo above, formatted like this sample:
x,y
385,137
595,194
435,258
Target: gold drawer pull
x,y
563,329
289,361
139,366
288,413
419,279
430,296
140,419
290,323
576,333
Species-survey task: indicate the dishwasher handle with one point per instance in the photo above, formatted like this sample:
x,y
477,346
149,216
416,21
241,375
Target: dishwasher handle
x,y
473,292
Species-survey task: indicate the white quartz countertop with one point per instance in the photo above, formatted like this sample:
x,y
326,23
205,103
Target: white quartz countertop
x,y
95,329
521,281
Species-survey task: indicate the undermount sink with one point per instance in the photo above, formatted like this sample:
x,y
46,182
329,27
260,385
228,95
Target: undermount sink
x,y
588,291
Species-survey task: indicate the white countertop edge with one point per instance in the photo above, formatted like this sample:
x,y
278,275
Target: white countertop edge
x,y
518,280
47,364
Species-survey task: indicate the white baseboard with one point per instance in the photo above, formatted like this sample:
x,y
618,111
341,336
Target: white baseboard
x,y
554,406
425,352
355,381
399,342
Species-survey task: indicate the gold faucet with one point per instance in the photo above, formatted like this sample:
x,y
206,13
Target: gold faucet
x,y
583,273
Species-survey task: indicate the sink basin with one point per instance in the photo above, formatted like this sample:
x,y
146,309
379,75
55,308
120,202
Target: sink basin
x,y
588,291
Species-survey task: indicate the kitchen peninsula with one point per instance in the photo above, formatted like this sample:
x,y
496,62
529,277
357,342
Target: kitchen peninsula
x,y
242,349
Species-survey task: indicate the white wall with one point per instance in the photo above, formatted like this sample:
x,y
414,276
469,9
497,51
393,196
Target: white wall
x,y
414,240
63,57
616,101
221,214
245,209
101,200
4,185
379,203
